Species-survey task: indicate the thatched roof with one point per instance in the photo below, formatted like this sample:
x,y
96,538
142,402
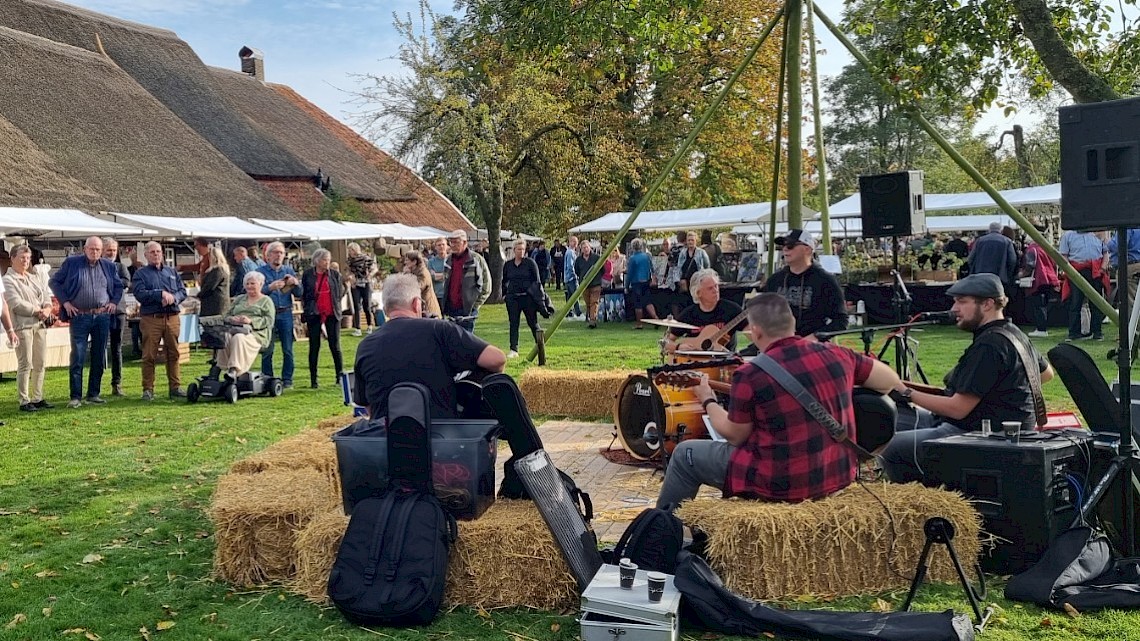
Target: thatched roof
x,y
105,133
425,205
166,66
280,120
32,178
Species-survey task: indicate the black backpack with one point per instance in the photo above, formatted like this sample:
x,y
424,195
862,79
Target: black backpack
x,y
502,394
391,567
652,541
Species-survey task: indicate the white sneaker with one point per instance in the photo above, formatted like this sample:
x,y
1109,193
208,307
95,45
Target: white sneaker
x,y
356,332
512,354
370,328
1038,334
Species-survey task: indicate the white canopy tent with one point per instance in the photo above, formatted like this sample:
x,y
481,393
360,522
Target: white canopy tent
x,y
698,218
400,231
61,223
439,233
208,227
311,229
1021,197
853,227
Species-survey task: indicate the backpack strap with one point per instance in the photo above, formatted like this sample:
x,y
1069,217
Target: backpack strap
x,y
1031,370
785,380
375,549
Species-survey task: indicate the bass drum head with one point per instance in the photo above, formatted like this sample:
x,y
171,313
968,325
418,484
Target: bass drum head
x,y
639,403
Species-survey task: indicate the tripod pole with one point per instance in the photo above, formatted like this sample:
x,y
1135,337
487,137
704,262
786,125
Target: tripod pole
x,y
1124,366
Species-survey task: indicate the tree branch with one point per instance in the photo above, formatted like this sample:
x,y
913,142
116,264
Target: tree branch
x,y
1063,65
512,165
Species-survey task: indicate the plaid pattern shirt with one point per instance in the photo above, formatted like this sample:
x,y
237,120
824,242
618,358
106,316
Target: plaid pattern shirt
x,y
789,456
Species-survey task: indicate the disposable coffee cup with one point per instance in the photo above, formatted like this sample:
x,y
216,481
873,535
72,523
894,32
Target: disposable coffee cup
x,y
1012,431
628,571
656,586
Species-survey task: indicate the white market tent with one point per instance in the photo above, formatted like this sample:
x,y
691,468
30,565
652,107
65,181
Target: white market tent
x,y
61,223
1021,197
853,227
698,218
439,233
208,227
312,229
400,231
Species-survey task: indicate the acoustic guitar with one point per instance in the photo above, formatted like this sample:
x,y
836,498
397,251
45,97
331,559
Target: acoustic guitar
x,y
682,379
711,338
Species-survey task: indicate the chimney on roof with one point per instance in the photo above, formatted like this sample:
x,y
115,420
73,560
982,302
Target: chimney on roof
x,y
252,62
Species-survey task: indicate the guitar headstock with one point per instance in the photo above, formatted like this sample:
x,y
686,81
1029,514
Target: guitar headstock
x,y
677,379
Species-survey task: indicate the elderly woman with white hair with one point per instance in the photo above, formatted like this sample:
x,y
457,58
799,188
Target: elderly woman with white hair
x,y
29,300
252,308
321,290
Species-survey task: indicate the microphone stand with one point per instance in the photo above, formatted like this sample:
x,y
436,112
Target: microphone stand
x,y
867,335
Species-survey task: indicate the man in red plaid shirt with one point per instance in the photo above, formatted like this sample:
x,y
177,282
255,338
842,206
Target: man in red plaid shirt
x,y
773,449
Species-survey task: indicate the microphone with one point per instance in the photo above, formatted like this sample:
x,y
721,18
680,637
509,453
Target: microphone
x,y
900,284
948,317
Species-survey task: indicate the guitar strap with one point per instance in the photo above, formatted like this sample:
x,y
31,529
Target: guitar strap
x,y
1032,370
834,428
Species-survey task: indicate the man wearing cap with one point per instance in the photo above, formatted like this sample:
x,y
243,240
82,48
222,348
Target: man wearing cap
x,y
814,294
994,253
990,380
468,282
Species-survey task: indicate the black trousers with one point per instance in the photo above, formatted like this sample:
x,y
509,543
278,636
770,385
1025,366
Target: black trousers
x,y
524,304
362,302
332,328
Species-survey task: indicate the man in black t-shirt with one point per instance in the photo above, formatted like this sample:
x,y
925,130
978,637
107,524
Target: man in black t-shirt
x,y
709,314
813,294
989,382
408,348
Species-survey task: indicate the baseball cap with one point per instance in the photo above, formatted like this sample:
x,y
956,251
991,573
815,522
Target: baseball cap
x,y
458,233
797,237
979,285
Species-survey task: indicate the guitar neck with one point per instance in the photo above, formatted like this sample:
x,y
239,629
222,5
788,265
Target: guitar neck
x,y
718,386
920,387
724,331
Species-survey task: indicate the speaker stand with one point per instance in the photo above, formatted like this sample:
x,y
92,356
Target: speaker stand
x,y
1125,462
941,531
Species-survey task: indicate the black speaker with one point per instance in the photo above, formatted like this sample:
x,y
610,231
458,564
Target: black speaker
x,y
892,204
1020,489
1100,165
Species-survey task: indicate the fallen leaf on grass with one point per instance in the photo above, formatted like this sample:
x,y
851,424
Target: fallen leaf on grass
x,y
240,440
92,558
145,633
47,613
1071,611
1046,622
164,625
555,627
16,620
881,606
46,573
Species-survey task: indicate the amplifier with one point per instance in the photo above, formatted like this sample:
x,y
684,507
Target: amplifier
x,y
1020,489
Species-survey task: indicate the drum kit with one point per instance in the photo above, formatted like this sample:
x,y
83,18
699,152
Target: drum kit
x,y
653,412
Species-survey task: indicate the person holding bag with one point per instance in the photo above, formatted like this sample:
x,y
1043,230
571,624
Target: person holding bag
x,y
321,291
519,275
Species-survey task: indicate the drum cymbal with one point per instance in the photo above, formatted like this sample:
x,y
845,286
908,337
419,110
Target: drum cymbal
x,y
668,322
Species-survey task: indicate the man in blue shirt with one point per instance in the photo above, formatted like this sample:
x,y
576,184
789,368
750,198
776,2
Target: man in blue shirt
x,y
1133,259
159,290
995,254
568,275
639,270
1088,254
280,284
243,265
437,265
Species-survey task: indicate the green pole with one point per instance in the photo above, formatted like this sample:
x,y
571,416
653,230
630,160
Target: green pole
x,y
777,163
795,173
820,155
914,114
681,152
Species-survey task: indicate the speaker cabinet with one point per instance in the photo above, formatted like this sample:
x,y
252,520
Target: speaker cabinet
x,y
1100,165
1020,489
892,204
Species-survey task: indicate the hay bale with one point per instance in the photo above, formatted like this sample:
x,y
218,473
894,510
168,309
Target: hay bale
x,y
841,545
316,548
310,449
484,572
508,558
257,517
333,424
571,393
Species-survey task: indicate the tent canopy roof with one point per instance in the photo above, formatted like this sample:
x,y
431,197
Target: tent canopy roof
x,y
698,218
853,227
61,223
1044,195
207,227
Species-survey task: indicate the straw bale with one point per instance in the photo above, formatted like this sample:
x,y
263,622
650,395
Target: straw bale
x,y
841,545
257,517
571,393
316,547
506,558
333,424
311,449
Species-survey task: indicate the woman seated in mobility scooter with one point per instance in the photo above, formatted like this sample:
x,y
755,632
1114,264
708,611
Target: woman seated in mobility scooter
x,y
237,338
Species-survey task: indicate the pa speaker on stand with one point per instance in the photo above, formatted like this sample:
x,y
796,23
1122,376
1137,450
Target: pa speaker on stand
x,y
892,204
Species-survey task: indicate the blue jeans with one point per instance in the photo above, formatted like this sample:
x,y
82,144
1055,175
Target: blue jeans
x,y
901,459
283,331
571,286
84,327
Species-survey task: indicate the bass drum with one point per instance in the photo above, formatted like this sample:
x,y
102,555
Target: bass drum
x,y
675,413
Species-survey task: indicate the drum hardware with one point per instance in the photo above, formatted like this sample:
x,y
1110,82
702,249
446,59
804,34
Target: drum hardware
x,y
733,360
669,322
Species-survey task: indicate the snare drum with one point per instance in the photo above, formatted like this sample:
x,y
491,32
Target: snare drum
x,y
675,413
722,373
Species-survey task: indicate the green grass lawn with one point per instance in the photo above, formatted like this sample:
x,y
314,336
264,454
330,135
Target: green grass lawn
x,y
102,532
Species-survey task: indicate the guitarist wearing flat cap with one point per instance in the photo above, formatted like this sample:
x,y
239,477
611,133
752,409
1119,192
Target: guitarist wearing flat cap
x,y
710,315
